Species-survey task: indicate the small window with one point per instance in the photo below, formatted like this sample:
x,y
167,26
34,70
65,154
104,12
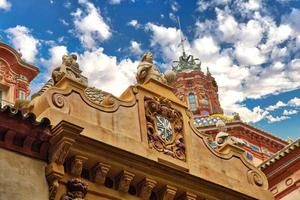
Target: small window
x,y
254,147
192,102
249,156
22,95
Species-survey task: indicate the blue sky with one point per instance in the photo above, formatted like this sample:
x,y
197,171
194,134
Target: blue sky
x,y
252,47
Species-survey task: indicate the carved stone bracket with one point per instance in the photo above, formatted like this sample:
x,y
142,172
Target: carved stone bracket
x,y
168,192
76,190
77,165
146,187
188,196
124,180
54,173
99,172
165,127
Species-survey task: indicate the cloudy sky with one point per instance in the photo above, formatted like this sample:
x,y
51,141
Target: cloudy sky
x,y
252,47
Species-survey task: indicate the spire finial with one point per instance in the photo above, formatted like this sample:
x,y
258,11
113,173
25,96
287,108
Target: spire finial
x,y
208,72
182,39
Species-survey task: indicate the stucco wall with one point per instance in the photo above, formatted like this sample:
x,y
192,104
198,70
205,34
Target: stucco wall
x,y
22,177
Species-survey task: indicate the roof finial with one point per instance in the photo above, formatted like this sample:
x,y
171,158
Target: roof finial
x,y
182,39
208,72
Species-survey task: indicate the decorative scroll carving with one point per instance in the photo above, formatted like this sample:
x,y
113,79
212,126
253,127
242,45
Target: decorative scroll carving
x,y
147,70
124,180
77,165
168,192
255,178
76,190
99,172
164,127
58,100
146,187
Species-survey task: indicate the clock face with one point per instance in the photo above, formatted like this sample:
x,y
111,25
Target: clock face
x,y
164,128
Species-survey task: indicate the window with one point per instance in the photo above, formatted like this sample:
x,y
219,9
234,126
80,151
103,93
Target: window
x,y
255,148
192,102
22,95
249,156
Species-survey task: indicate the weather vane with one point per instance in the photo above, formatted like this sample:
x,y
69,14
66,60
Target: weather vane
x,y
182,39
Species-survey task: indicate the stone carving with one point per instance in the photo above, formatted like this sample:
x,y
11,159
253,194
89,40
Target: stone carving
x,y
99,172
77,165
60,153
255,178
223,138
53,174
146,187
188,196
58,100
124,180
76,190
168,192
70,68
147,70
95,95
164,127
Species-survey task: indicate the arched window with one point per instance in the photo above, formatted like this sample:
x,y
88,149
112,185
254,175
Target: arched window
x,y
192,102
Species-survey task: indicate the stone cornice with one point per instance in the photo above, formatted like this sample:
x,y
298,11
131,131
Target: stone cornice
x,y
22,133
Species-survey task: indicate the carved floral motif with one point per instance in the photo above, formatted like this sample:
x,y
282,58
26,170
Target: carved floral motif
x,y
76,190
164,127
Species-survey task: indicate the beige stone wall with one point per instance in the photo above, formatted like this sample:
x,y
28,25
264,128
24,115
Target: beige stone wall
x,y
22,177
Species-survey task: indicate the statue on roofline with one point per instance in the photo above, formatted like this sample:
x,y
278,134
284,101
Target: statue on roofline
x,y
68,67
147,70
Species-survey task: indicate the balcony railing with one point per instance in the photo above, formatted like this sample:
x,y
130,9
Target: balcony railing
x,y
4,103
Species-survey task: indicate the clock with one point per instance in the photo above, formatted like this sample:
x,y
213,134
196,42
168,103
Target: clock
x,y
164,128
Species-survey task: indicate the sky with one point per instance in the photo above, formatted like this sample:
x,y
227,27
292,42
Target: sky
x,y
252,47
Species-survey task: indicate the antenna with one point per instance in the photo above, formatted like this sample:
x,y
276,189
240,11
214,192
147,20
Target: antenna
x,y
182,39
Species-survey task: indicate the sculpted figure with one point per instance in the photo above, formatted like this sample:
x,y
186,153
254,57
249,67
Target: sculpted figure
x,y
223,138
69,65
147,70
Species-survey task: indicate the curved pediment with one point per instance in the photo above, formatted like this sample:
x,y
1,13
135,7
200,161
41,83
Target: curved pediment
x,y
149,135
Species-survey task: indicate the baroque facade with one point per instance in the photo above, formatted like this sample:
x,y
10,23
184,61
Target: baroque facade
x,y
15,76
200,92
142,145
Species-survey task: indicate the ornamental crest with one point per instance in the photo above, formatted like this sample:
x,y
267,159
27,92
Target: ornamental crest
x,y
164,127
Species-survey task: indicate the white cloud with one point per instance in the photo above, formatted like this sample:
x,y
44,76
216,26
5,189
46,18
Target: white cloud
x,y
294,102
90,26
272,119
64,22
134,23
5,5
135,47
23,41
106,73
174,6
55,58
279,104
249,55
115,1
290,112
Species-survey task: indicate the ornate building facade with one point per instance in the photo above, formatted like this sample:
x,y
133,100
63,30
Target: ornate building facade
x,y
142,145
283,172
200,93
15,76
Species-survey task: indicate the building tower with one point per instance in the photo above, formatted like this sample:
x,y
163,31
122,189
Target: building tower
x,y
15,76
198,90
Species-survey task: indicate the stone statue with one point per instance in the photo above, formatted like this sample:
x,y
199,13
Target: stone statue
x,y
69,66
223,138
147,70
